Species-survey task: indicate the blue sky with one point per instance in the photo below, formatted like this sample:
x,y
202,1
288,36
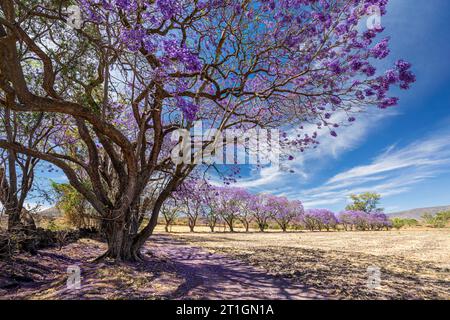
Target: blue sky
x,y
402,153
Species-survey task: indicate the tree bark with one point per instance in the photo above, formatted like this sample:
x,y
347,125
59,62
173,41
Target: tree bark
x,y
261,227
8,199
192,224
230,225
120,244
120,230
14,222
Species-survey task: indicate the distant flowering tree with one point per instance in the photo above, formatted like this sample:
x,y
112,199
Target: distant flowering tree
x,y
297,207
262,211
347,219
362,221
284,211
319,219
190,199
227,205
245,201
135,71
170,212
210,212
379,221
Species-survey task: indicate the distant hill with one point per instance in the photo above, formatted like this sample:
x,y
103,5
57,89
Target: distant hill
x,y
417,213
50,213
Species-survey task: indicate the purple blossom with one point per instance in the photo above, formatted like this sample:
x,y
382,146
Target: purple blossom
x,y
381,50
188,108
319,219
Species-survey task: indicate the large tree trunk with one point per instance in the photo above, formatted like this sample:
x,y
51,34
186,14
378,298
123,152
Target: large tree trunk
x,y
138,240
120,232
120,243
8,199
14,222
124,240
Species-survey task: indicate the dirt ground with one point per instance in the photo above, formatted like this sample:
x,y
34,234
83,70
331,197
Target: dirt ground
x,y
172,270
429,245
413,264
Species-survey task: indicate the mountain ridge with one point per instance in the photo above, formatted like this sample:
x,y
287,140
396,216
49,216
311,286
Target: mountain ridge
x,y
418,212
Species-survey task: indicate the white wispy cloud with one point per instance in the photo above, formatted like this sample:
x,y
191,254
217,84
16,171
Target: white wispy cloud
x,y
394,171
432,152
272,179
266,176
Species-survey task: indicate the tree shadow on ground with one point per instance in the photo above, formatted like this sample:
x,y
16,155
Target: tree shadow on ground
x,y
345,275
171,270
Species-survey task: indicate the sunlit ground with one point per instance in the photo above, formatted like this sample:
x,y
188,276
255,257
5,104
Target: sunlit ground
x,y
413,263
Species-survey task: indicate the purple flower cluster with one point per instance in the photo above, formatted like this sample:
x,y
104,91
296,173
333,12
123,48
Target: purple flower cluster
x,y
175,51
284,211
320,219
188,108
359,220
168,8
380,50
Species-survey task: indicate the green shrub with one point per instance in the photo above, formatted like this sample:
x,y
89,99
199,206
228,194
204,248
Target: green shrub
x,y
440,220
399,223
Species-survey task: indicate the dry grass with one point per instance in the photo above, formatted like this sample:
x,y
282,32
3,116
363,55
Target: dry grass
x,y
44,276
415,263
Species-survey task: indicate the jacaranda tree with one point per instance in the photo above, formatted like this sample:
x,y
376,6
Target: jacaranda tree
x,y
17,171
136,70
190,200
319,219
170,212
245,201
262,211
285,211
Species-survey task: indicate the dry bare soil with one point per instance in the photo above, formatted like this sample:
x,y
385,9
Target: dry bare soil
x,y
172,269
414,264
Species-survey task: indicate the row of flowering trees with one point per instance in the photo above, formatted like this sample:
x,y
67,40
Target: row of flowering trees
x,y
320,219
105,97
214,205
199,201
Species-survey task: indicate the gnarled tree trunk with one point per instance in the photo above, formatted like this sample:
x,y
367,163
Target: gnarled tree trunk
x,y
9,202
120,243
14,222
120,232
